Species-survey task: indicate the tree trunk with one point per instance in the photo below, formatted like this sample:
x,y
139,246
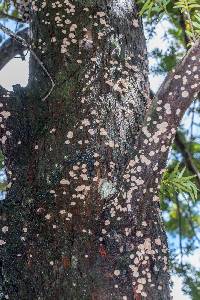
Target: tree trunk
x,y
81,217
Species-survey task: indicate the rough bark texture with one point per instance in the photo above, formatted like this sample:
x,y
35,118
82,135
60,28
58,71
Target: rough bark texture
x,y
81,218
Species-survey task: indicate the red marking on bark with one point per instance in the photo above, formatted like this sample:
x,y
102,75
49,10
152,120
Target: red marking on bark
x,y
66,262
102,250
136,295
29,263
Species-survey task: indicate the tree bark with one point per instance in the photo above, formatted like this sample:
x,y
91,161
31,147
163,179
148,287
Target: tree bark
x,y
81,217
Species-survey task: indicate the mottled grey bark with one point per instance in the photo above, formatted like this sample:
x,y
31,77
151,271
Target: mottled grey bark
x,y
81,217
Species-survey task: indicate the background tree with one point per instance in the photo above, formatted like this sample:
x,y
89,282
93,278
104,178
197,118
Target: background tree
x,y
85,147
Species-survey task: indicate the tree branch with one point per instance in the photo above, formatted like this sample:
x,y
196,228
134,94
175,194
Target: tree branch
x,y
168,106
184,151
27,45
178,140
181,86
182,23
12,47
187,156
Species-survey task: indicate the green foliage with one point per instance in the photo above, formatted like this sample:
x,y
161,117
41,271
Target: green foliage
x,y
3,186
196,23
186,5
151,7
195,147
183,18
166,61
175,182
188,8
8,11
180,202
4,5
191,279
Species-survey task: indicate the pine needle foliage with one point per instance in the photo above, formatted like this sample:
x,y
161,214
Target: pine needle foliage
x,y
189,8
175,182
